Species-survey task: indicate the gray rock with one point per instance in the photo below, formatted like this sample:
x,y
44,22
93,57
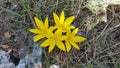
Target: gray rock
x,y
27,62
8,65
22,52
38,65
32,60
4,60
37,52
4,57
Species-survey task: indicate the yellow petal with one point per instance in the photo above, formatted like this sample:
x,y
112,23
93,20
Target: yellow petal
x,y
51,28
35,31
62,17
69,20
45,43
46,22
74,45
49,34
51,47
60,45
68,32
79,39
38,22
62,38
38,37
74,32
68,46
56,19
71,27
58,32
64,30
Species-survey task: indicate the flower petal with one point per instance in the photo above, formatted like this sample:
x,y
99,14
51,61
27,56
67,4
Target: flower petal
x,y
56,19
74,45
58,32
45,43
60,45
79,39
46,22
71,27
74,32
51,47
68,28
35,31
69,20
68,46
68,32
38,22
38,37
62,17
50,31
51,28
62,38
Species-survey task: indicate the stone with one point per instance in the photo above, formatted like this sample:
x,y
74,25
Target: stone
x,y
8,65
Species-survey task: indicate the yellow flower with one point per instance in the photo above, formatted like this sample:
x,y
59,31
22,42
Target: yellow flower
x,y
55,39
42,29
72,39
61,23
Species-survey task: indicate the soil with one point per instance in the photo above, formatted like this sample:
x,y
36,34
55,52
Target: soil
x,y
14,36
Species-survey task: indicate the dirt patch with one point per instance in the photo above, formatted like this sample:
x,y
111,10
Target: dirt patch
x,y
101,49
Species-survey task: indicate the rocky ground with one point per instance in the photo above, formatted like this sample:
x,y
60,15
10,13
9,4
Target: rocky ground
x,y
17,50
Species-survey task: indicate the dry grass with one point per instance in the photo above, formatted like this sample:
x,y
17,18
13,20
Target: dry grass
x,y
100,50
